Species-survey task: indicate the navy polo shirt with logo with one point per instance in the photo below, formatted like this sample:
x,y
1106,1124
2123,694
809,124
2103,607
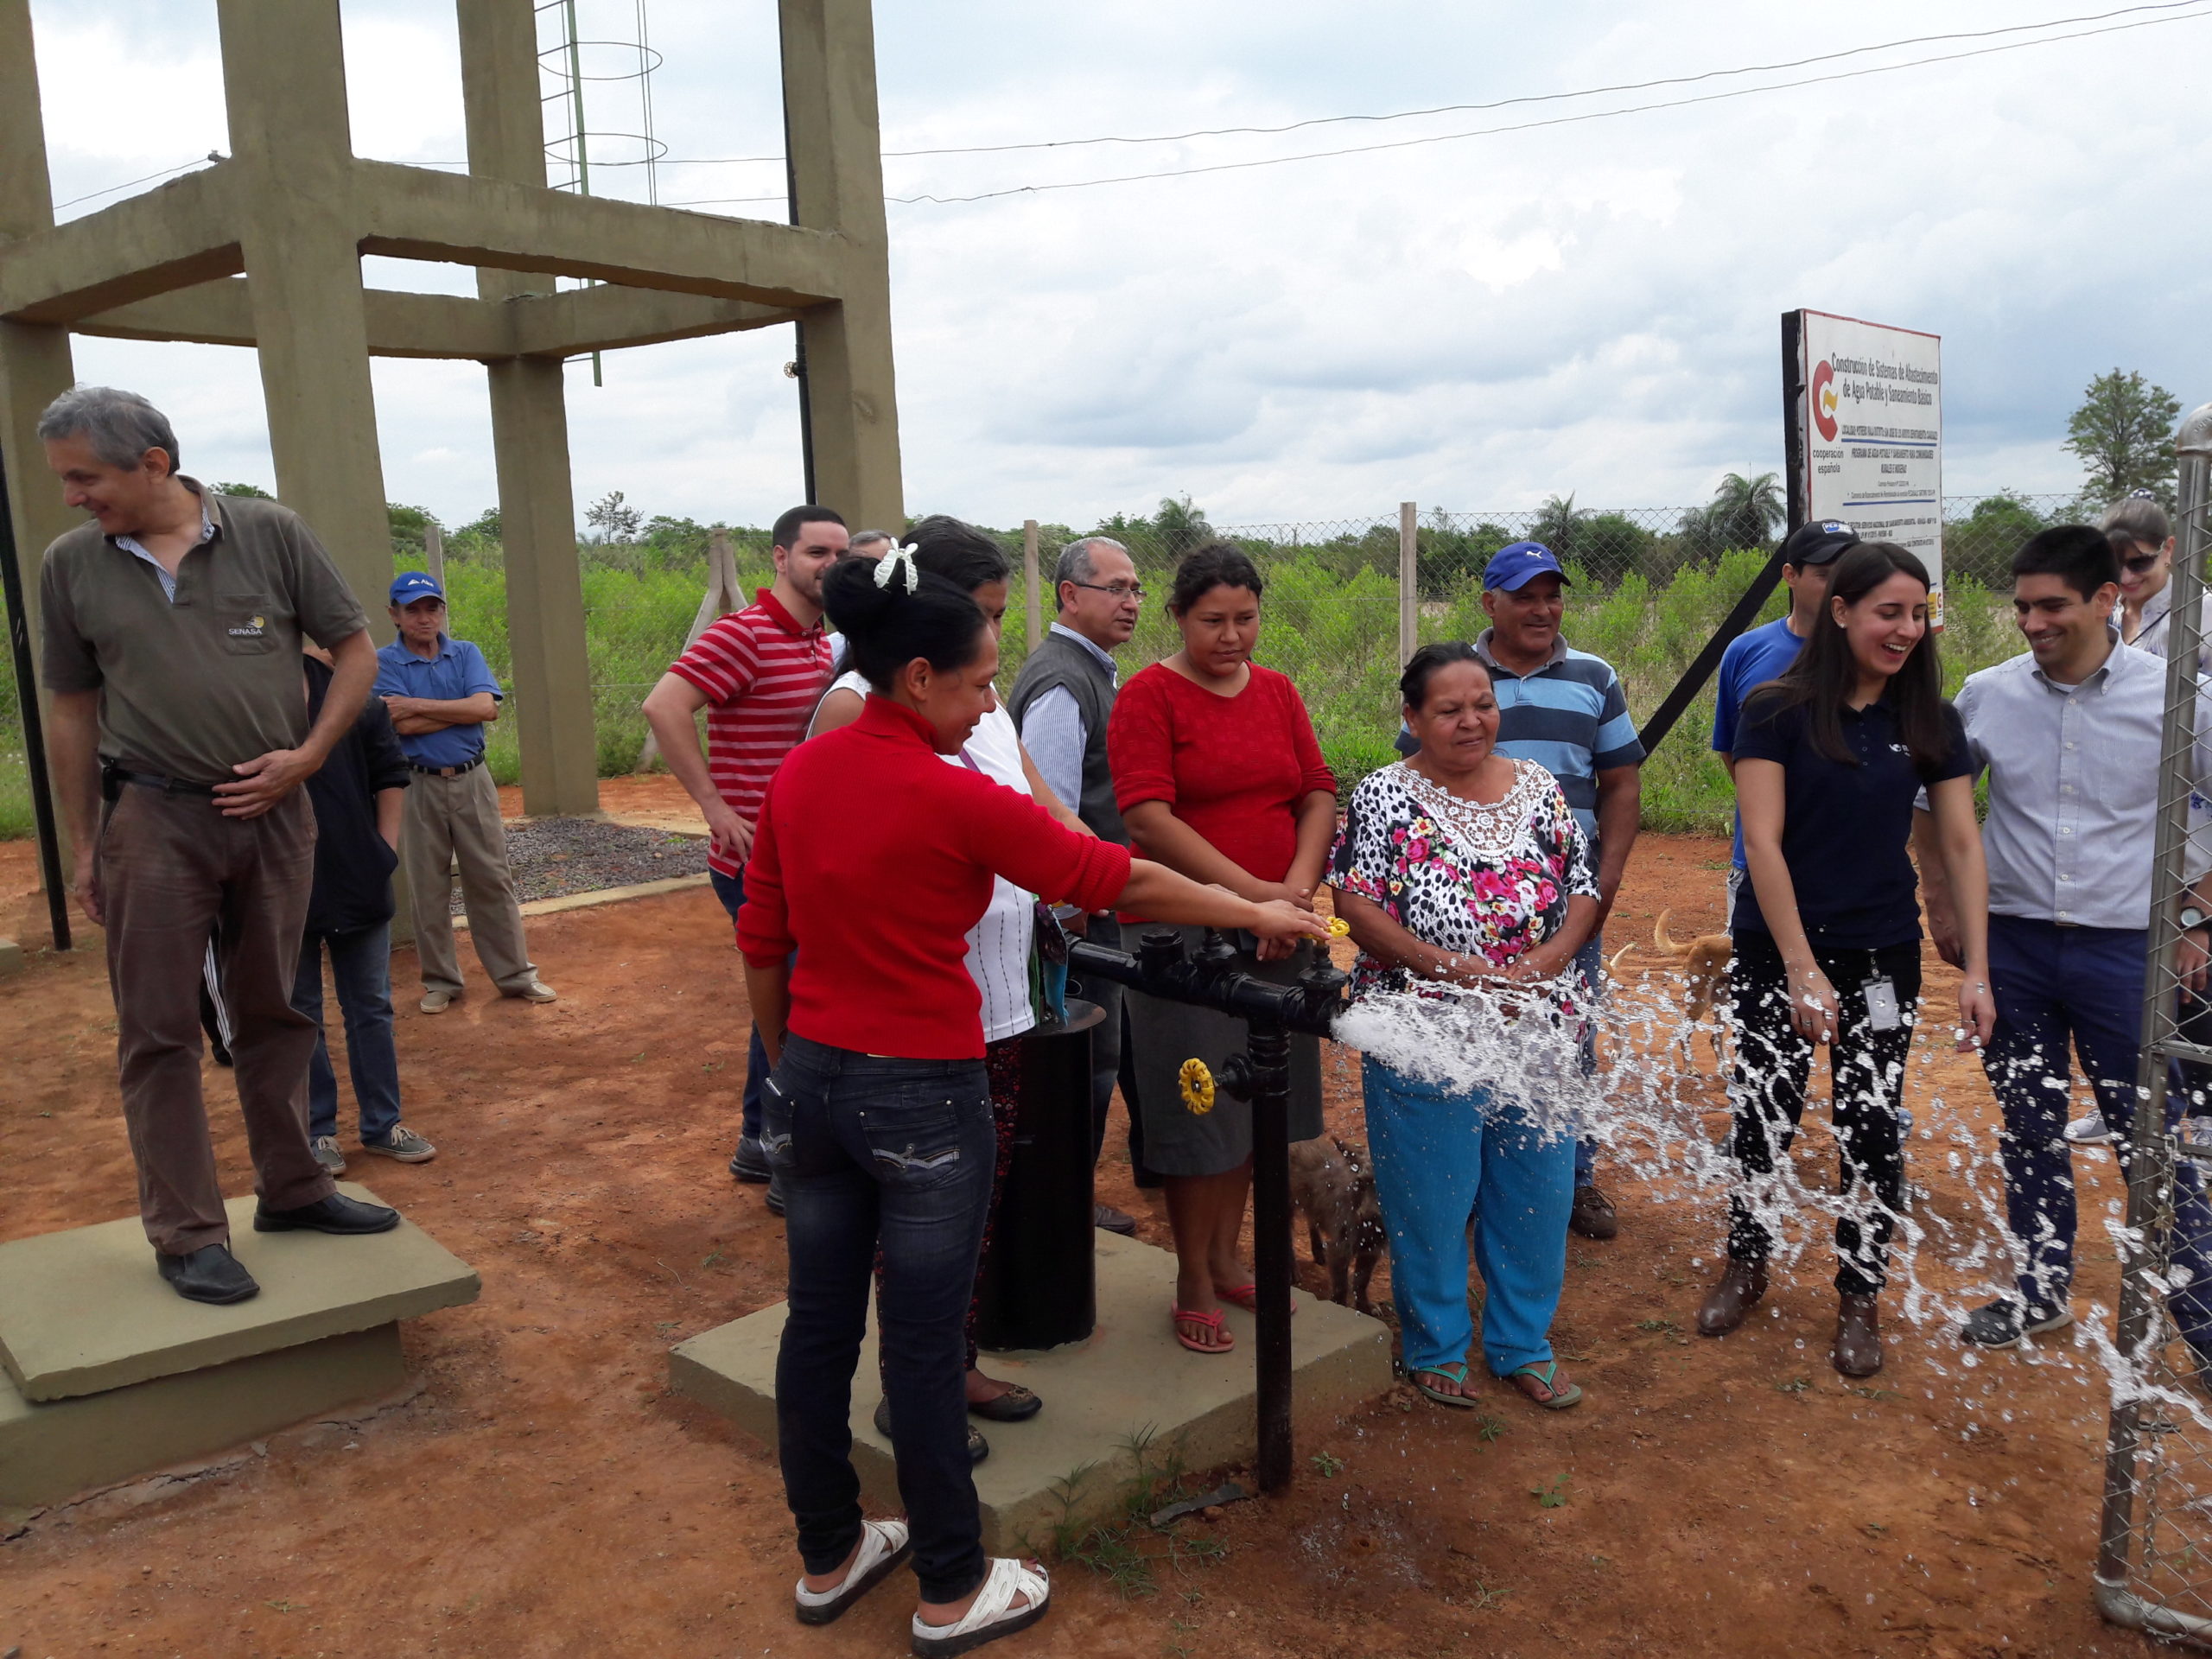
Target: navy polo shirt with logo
x,y
1845,828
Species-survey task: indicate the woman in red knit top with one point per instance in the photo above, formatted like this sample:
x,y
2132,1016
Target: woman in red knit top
x,y
1217,775
872,860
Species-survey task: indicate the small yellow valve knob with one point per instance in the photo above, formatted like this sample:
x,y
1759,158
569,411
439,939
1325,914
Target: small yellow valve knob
x,y
1198,1087
1339,928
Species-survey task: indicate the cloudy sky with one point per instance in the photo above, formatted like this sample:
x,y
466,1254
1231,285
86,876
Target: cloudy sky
x,y
1473,324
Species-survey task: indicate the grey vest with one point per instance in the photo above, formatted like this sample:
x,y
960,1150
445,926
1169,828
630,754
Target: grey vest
x,y
1060,661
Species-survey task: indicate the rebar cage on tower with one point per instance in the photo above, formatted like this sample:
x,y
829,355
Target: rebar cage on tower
x,y
2154,1562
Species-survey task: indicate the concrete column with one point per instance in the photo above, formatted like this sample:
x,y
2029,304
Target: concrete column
x,y
284,66
529,435
34,361
545,602
836,170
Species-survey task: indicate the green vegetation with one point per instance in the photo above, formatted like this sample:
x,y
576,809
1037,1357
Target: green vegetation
x,y
1645,599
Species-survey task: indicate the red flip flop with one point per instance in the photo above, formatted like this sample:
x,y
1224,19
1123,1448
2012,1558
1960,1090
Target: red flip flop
x,y
1212,1320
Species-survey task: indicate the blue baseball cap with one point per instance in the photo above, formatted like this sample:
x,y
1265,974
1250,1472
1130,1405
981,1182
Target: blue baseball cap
x,y
411,585
1509,568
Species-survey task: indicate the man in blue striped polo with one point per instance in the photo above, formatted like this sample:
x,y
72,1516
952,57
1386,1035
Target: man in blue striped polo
x,y
1564,710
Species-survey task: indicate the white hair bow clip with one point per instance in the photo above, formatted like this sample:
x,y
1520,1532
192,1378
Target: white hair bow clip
x,y
896,559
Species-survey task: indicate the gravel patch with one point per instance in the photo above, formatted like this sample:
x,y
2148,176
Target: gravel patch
x,y
553,857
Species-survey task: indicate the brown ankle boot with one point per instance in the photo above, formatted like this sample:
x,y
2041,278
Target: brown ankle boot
x,y
1736,1294
1858,1351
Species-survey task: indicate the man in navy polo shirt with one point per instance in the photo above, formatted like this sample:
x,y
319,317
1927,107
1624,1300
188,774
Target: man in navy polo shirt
x,y
1753,658
1564,710
442,695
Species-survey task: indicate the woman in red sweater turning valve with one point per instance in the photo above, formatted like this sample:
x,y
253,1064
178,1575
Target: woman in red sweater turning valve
x,y
873,859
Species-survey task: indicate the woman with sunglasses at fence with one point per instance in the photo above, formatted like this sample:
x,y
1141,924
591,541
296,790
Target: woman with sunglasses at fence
x,y
873,860
1828,760
1218,774
2143,540
999,946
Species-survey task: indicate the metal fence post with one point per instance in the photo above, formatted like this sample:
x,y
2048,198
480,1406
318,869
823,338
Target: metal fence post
x,y
1029,576
2140,1584
1408,581
434,554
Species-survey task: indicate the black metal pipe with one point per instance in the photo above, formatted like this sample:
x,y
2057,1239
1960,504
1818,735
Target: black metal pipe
x,y
1269,1075
1262,1075
19,643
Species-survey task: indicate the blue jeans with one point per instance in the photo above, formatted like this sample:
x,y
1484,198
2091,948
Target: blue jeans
x,y
2083,986
868,1150
1440,1158
360,967
730,889
1590,963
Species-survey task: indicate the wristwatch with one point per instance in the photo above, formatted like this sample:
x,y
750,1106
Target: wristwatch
x,y
2191,918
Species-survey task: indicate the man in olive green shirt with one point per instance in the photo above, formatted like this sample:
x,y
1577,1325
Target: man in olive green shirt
x,y
171,630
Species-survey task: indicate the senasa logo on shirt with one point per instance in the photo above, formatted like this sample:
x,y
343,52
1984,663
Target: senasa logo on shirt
x,y
255,626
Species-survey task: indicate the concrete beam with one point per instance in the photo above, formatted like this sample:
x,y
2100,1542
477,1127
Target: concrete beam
x,y
400,324
852,400
545,602
412,213
284,61
171,236
607,317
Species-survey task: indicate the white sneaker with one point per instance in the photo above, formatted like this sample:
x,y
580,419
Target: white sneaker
x,y
436,1001
535,990
2090,1131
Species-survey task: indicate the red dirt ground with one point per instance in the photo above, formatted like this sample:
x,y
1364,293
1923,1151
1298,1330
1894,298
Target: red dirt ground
x,y
544,1495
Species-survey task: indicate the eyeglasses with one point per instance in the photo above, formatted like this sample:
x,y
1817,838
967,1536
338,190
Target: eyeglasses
x,y
2140,564
1121,590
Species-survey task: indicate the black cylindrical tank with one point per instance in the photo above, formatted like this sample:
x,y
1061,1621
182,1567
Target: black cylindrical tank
x,y
1039,1287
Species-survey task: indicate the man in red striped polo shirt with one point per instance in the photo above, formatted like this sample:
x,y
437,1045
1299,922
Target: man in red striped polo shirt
x,y
758,673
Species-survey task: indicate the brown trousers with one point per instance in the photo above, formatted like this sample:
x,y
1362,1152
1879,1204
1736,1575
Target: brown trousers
x,y
451,820
171,869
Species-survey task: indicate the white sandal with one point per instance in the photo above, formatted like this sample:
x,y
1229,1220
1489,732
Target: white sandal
x,y
883,1546
993,1614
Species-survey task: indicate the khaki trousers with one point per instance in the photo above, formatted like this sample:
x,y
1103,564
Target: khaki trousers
x,y
450,818
171,869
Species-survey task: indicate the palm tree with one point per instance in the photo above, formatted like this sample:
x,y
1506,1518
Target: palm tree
x,y
1558,525
1179,527
1746,512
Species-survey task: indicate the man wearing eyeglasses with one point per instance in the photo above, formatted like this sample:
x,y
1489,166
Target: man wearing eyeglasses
x,y
1060,701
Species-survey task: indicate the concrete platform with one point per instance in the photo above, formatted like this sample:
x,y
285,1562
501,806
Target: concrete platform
x,y
1131,1377
109,1374
84,1311
54,1450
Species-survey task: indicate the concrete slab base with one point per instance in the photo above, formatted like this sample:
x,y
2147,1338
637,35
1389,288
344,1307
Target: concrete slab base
x,y
84,1312
1129,1379
12,959
106,1374
52,1450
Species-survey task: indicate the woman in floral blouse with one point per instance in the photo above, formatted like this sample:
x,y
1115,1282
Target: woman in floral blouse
x,y
1459,867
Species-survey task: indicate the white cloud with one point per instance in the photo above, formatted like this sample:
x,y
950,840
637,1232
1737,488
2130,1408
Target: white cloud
x,y
1481,323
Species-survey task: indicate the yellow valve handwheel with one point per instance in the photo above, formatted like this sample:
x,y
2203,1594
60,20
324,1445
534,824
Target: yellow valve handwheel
x,y
1198,1087
1339,928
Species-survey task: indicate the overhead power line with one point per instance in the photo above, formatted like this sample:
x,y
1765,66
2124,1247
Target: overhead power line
x,y
1474,109
1528,126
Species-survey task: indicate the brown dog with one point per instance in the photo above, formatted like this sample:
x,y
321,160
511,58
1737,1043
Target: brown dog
x,y
1330,1182
1703,962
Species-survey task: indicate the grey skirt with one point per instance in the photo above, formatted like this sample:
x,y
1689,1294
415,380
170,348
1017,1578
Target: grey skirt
x,y
1163,1034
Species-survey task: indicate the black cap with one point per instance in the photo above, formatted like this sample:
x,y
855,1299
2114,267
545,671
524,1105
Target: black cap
x,y
1821,541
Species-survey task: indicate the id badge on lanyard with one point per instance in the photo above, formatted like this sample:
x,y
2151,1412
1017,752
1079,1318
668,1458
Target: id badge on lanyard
x,y
1882,1011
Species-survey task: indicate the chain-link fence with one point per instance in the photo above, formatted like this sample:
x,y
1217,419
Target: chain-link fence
x,y
2154,1562
1650,585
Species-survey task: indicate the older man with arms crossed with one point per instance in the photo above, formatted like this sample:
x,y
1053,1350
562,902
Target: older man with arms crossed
x,y
171,628
1061,700
758,673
